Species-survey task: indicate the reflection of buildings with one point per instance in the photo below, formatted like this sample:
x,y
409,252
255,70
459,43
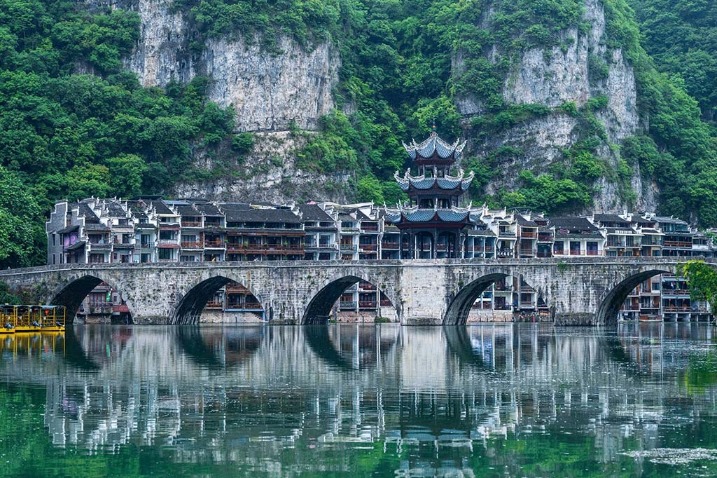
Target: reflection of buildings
x,y
267,400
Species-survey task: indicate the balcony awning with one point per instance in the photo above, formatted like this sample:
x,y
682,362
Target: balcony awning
x,y
76,245
68,229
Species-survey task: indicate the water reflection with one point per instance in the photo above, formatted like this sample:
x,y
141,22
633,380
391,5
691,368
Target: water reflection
x,y
355,400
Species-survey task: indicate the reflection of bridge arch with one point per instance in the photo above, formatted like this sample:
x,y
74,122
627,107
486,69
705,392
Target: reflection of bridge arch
x,y
351,347
610,305
319,308
220,347
73,293
189,308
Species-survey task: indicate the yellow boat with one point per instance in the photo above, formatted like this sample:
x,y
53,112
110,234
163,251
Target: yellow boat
x,y
28,318
53,318
32,319
8,319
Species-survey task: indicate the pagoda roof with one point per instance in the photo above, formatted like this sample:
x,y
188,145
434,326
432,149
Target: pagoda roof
x,y
446,183
428,215
434,145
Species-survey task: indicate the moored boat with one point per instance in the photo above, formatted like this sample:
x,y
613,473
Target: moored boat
x,y
7,319
32,319
53,318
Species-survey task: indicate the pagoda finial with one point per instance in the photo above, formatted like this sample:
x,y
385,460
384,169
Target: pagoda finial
x,y
433,129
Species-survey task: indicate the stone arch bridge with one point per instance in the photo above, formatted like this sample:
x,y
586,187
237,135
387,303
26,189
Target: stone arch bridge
x,y
585,290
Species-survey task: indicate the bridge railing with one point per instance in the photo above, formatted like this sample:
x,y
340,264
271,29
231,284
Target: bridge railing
x,y
510,261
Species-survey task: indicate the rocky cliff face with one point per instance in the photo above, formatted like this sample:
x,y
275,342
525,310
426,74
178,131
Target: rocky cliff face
x,y
270,92
581,68
269,174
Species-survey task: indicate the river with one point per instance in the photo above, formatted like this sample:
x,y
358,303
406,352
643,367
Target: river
x,y
348,400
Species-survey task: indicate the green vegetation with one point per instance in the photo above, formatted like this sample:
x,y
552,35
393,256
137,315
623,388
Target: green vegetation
x,y
73,123
70,135
701,280
681,35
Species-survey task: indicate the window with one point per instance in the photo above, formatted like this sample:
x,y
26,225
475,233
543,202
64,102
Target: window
x,y
166,254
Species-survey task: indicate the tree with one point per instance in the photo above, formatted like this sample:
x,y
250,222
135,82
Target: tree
x,y
21,232
701,280
126,172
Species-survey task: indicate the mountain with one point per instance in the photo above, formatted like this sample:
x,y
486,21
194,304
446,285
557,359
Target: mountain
x,y
562,107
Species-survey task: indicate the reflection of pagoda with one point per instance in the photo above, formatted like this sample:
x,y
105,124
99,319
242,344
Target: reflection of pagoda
x,y
431,226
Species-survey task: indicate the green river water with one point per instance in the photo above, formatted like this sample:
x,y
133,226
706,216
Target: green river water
x,y
503,400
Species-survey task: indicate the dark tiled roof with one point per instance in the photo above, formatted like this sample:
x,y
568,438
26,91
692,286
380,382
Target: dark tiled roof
x,y
274,215
161,207
577,235
137,208
483,232
233,210
187,210
312,212
115,209
522,221
574,224
669,220
86,212
208,209
76,245
611,218
68,229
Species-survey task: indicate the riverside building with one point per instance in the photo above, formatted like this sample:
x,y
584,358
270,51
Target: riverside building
x,y
431,225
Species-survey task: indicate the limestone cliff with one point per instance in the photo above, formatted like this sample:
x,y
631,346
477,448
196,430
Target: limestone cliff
x,y
580,68
270,92
273,92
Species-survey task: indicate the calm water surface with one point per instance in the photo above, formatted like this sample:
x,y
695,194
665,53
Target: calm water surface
x,y
503,400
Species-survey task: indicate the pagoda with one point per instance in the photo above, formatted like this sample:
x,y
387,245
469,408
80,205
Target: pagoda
x,y
432,225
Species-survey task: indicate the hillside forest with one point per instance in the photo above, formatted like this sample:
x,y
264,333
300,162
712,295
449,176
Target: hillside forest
x,y
75,123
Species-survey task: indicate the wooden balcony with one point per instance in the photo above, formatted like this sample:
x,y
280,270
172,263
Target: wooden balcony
x,y
367,304
186,223
191,245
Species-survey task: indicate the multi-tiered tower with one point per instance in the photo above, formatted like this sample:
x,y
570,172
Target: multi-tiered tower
x,y
432,225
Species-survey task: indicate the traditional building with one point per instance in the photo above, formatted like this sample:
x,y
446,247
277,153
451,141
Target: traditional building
x,y
433,225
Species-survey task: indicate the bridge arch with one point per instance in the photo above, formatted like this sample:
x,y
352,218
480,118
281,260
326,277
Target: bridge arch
x,y
460,306
319,308
610,305
190,306
72,294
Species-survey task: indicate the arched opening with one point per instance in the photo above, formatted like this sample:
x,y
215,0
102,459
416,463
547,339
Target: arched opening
x,y
497,297
218,300
610,306
350,299
460,306
92,300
